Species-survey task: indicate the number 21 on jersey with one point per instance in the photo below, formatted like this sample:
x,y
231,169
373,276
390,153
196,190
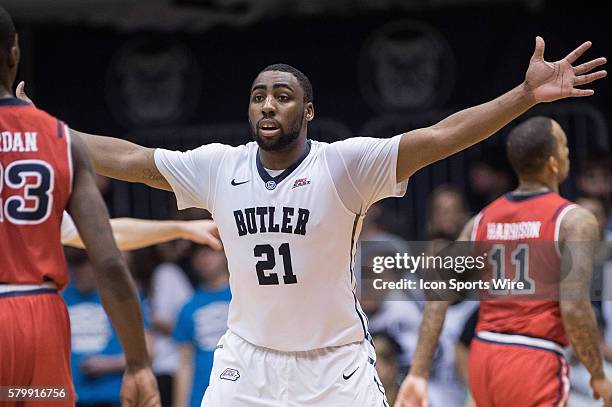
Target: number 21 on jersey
x,y
268,262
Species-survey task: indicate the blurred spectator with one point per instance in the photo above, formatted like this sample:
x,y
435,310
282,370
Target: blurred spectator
x,y
96,357
201,323
595,180
374,239
105,185
490,176
170,289
397,318
462,349
387,364
447,387
447,213
372,228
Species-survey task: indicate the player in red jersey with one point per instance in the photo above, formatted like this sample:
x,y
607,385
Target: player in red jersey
x,y
517,357
43,170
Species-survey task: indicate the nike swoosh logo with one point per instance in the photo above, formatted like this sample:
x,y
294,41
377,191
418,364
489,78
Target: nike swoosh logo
x,y
234,183
346,377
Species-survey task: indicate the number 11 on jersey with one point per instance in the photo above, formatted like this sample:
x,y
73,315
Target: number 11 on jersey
x,y
269,262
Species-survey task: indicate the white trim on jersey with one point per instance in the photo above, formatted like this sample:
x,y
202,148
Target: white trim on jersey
x,y
475,226
509,339
68,228
564,212
11,288
69,146
565,383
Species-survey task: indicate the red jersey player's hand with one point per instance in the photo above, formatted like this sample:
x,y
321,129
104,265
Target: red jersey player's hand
x,y
412,393
139,389
202,232
549,81
602,388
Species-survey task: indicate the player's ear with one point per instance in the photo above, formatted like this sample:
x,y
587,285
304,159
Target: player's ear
x,y
15,53
553,164
309,112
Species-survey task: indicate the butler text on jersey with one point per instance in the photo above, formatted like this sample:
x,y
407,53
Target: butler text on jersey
x,y
261,219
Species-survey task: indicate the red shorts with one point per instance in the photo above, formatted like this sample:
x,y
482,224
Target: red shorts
x,y
502,374
35,344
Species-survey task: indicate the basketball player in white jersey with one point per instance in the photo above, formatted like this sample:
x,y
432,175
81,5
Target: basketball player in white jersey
x,y
289,211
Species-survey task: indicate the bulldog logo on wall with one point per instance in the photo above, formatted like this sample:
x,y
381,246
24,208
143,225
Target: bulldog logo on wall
x,y
406,65
153,80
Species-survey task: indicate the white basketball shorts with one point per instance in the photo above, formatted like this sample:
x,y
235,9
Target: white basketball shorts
x,y
245,375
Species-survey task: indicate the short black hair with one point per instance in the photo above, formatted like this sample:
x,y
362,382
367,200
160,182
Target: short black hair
x,y
7,31
299,75
530,144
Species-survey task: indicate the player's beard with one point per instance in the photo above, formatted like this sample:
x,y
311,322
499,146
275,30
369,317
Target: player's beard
x,y
283,141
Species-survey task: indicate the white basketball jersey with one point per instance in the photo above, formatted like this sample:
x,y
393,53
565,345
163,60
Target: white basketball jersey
x,y
68,229
289,239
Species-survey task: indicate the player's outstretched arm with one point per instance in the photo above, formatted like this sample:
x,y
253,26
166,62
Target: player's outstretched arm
x,y
184,376
413,391
132,234
116,288
578,236
544,82
116,158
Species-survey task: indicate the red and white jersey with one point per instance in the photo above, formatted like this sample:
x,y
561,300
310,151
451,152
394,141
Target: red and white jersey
x,y
519,233
35,185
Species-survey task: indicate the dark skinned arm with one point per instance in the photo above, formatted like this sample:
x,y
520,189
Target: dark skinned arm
x,y
116,158
578,236
124,160
413,391
544,82
116,288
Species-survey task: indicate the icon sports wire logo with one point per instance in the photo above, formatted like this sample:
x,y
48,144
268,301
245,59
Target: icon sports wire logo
x,y
300,182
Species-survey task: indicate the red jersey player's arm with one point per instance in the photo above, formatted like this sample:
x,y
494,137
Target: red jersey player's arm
x,y
413,391
124,160
132,234
431,324
578,236
116,288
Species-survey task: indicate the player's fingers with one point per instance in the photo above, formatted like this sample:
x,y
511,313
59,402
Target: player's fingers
x,y
588,78
589,66
579,93
214,243
20,92
575,54
20,88
153,402
538,53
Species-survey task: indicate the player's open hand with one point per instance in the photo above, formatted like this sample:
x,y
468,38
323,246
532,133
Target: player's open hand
x,y
20,93
202,232
412,392
602,388
549,81
139,389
